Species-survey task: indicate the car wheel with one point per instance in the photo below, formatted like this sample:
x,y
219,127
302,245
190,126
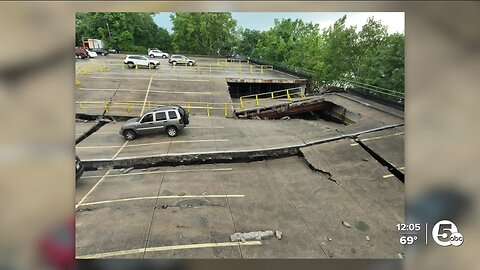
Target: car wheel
x,y
171,131
190,63
174,63
131,65
152,56
129,135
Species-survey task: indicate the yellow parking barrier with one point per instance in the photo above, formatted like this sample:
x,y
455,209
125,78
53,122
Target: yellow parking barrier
x,y
81,106
241,103
256,100
105,106
251,71
77,82
288,96
272,95
261,69
225,109
208,110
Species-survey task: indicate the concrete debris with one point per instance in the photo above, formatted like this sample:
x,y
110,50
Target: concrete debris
x,y
181,194
164,206
401,255
367,238
285,118
329,239
346,224
365,159
128,170
257,235
278,234
243,240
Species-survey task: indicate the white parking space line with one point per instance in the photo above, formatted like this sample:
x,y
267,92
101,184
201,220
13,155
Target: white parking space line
x,y
167,171
167,248
147,78
162,197
151,91
91,190
146,144
119,150
391,175
376,138
194,141
146,95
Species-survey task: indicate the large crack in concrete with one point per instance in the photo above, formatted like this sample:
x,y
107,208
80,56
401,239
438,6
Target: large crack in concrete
x,y
394,170
101,122
234,156
317,170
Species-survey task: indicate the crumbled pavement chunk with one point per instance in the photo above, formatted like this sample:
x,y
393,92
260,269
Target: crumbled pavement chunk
x,y
346,224
257,235
367,238
278,234
329,238
128,170
181,194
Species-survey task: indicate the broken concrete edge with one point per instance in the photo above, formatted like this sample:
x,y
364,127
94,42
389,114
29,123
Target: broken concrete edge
x,y
391,167
213,157
101,122
369,105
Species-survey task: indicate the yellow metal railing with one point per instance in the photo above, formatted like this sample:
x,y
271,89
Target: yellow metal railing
x,y
280,94
207,107
89,68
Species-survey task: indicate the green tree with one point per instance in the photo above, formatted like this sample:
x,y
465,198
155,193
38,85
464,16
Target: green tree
x,y
128,31
209,33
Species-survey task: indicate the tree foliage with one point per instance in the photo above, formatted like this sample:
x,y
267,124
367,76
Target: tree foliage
x,y
208,33
368,55
127,31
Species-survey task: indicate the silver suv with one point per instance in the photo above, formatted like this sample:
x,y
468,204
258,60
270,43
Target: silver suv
x,y
170,119
176,59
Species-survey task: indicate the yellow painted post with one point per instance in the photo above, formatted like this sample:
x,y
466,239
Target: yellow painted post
x,y
241,103
81,106
261,69
188,108
149,105
256,100
208,110
225,104
251,71
288,96
272,95
136,67
77,82
105,106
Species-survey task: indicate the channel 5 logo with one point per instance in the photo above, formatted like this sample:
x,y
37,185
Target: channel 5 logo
x,y
445,233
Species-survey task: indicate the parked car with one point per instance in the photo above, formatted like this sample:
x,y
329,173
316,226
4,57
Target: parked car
x,y
80,53
91,54
138,60
79,168
180,59
100,51
157,53
113,50
169,119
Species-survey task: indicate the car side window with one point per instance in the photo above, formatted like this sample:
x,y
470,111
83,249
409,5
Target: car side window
x,y
147,118
160,116
172,115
